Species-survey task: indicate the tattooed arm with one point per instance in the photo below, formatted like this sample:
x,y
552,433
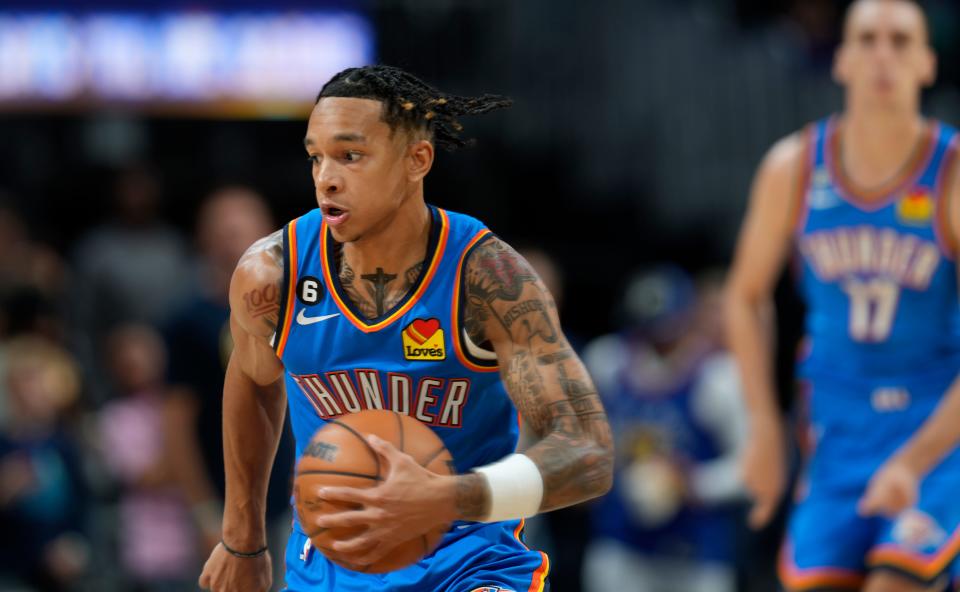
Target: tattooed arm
x,y
253,410
509,307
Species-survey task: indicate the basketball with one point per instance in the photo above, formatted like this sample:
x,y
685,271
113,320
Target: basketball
x,y
339,455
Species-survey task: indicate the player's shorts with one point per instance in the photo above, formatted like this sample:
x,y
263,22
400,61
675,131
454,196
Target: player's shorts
x,y
473,557
829,545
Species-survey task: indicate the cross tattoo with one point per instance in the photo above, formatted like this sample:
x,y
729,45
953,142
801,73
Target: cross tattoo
x,y
380,281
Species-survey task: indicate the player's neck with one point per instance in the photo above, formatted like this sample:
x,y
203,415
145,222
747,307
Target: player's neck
x,y
875,145
398,244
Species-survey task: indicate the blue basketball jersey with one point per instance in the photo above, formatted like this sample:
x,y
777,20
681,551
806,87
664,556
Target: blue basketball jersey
x,y
878,274
415,359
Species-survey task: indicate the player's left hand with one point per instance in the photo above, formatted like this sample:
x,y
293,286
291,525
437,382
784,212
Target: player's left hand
x,y
409,502
892,489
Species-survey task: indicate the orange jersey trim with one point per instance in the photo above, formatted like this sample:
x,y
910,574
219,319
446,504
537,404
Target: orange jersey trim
x,y
456,307
291,288
797,580
874,199
540,575
362,324
519,530
798,215
927,567
538,581
942,226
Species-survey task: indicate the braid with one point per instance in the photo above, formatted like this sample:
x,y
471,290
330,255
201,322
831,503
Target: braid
x,y
412,103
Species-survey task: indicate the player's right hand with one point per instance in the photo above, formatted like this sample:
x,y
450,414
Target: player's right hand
x,y
764,469
225,573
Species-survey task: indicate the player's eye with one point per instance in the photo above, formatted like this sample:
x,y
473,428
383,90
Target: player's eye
x,y
868,39
352,156
313,159
900,41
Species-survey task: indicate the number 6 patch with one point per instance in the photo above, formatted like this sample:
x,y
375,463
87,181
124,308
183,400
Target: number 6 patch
x,y
310,290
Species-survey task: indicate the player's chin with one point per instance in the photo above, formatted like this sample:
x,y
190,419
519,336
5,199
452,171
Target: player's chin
x,y
345,233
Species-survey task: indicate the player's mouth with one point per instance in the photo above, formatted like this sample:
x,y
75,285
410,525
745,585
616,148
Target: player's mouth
x,y
334,215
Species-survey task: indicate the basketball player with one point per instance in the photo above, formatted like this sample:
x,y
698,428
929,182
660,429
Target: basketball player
x,y
377,300
869,199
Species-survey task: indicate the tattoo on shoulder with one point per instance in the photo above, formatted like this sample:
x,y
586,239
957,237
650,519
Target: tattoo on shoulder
x,y
497,272
263,301
497,279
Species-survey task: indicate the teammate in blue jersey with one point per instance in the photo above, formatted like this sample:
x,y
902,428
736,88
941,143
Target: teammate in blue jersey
x,y
377,300
868,200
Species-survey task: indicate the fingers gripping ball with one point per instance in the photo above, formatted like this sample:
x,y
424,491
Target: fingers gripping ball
x,y
339,455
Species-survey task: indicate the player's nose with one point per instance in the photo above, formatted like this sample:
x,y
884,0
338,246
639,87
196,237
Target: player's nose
x,y
329,180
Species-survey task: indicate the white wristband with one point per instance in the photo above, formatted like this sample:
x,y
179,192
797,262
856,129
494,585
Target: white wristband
x,y
516,488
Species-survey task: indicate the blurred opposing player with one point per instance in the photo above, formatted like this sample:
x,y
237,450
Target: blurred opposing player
x,y
869,200
378,300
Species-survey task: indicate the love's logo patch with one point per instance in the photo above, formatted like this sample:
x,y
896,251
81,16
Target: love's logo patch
x,y
423,341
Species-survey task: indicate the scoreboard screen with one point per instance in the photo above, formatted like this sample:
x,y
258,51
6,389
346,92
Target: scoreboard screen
x,y
252,63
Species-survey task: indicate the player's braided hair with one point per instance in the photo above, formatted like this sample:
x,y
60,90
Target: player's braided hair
x,y
411,103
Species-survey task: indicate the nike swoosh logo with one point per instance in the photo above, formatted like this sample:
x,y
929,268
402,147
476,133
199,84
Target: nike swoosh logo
x,y
305,320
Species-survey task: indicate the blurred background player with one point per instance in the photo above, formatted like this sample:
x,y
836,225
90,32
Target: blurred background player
x,y
869,200
674,399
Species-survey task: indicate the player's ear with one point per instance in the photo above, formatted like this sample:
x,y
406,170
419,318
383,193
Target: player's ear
x,y
840,58
419,159
928,74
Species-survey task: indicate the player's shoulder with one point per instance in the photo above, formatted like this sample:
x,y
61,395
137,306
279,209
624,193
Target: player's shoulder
x,y
948,138
787,152
947,129
494,267
491,249
258,278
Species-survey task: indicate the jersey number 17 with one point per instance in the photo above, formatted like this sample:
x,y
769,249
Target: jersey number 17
x,y
873,305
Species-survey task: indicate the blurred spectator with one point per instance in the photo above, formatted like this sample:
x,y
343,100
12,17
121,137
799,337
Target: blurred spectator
x,y
24,262
674,403
134,268
563,533
42,492
156,536
31,280
199,343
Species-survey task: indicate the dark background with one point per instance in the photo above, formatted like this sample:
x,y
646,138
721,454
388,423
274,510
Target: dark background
x,y
634,134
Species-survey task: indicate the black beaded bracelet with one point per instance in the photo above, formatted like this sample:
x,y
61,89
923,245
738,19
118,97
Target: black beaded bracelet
x,y
241,554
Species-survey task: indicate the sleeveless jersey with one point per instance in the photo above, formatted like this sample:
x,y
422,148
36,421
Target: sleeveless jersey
x,y
878,275
414,359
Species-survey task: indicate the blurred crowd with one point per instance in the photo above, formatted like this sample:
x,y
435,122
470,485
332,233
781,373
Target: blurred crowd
x,y
112,359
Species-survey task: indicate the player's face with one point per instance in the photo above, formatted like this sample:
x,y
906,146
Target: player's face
x,y
359,167
885,58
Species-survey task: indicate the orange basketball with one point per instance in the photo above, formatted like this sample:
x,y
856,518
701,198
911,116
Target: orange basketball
x,y
338,454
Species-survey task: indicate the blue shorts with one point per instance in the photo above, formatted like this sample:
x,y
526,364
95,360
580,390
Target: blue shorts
x,y
829,545
473,557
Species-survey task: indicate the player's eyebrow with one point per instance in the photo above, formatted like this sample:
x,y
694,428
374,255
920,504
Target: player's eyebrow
x,y
341,137
350,137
